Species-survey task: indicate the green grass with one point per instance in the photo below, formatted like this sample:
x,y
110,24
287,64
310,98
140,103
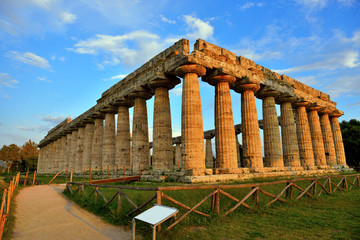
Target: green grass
x,y
325,217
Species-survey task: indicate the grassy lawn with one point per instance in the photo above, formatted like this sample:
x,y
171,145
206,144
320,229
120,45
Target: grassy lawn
x,y
325,217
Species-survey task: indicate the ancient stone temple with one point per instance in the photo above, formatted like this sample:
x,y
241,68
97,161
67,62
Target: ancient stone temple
x,y
304,137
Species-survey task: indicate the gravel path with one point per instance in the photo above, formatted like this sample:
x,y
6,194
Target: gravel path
x,y
42,212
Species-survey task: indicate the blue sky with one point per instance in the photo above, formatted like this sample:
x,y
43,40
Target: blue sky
x,y
58,56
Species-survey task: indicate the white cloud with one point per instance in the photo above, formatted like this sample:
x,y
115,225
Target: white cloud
x,y
130,49
121,76
330,62
347,3
43,79
200,29
67,17
312,4
40,129
348,85
6,81
53,120
34,16
164,19
251,54
177,91
29,58
251,4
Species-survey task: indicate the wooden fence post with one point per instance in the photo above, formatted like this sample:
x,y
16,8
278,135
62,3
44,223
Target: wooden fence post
x,y
71,175
33,183
158,201
217,200
96,195
27,172
329,185
90,175
118,208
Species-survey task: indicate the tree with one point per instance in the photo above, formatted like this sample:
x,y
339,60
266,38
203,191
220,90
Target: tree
x,y
11,154
351,138
29,155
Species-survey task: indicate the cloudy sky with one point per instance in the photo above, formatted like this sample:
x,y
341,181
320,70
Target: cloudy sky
x,y
58,56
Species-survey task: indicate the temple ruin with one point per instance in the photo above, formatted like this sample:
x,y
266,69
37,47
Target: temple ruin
x,y
308,137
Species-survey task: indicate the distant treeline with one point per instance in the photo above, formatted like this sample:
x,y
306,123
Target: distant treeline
x,y
20,158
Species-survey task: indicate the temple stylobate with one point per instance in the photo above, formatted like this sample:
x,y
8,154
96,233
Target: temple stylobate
x,y
308,137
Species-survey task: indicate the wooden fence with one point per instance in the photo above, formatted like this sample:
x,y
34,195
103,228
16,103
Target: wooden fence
x,y
6,201
253,193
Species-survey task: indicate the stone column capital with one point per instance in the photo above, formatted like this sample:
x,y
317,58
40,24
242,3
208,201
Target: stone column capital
x,y
166,82
240,88
266,91
336,113
88,120
97,115
313,107
140,92
190,68
177,140
325,110
301,104
209,134
285,98
214,80
123,102
109,109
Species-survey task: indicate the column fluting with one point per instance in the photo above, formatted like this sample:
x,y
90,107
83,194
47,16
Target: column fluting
x,y
288,133
192,131
97,143
328,137
140,132
316,136
252,152
304,136
338,141
272,140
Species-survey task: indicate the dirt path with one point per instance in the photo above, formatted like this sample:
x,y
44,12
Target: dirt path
x,y
42,212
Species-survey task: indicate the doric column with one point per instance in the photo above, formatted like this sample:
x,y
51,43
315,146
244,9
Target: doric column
x,y
162,134
252,152
288,132
272,140
192,131
225,141
140,132
304,136
46,158
40,163
88,138
238,153
79,148
97,143
51,157
123,141
74,136
56,155
209,157
108,149
178,162
328,137
62,153
316,136
338,141
68,150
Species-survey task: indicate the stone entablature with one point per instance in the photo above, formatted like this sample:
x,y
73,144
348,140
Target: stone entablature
x,y
224,70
